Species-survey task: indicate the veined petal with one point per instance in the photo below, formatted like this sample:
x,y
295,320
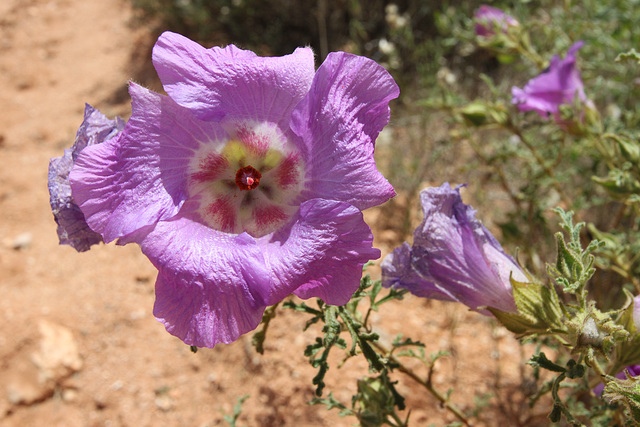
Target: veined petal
x,y
338,123
211,285
321,253
72,227
399,272
454,257
453,249
216,83
140,178
555,86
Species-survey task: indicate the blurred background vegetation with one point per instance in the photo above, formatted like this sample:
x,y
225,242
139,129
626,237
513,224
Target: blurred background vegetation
x,y
516,166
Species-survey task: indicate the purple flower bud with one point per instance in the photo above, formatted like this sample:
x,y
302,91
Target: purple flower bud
x,y
558,84
454,257
72,226
488,19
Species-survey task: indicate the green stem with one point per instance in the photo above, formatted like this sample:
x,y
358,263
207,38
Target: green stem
x,y
598,370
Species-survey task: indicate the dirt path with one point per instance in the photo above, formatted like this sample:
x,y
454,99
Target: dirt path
x,y
78,343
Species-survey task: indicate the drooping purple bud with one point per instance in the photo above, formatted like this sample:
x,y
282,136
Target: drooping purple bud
x,y
453,257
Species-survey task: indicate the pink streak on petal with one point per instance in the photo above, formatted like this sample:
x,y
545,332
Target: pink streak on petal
x,y
211,168
287,173
223,213
266,216
258,144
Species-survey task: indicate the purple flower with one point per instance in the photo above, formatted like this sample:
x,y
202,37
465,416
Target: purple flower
x,y
245,184
559,84
488,19
454,257
72,227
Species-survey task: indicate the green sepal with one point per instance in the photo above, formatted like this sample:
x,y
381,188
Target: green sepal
x,y
539,310
624,392
594,331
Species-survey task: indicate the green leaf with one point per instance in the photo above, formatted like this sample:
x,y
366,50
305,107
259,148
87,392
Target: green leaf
x,y
541,360
475,113
630,55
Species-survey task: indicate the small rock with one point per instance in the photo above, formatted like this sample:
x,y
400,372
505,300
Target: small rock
x,y
25,392
58,356
164,403
22,241
69,395
138,314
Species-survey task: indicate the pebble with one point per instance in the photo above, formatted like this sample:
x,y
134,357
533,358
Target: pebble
x,y
164,403
22,241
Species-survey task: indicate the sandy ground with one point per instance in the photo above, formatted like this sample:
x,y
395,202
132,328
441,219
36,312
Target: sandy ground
x,y
78,343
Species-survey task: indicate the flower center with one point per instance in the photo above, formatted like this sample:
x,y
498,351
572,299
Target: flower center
x,y
247,178
249,182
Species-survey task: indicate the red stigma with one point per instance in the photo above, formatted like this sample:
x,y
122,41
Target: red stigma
x,y
247,178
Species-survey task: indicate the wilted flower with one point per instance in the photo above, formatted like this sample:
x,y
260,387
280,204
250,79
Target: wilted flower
x,y
489,19
245,184
72,227
559,84
454,257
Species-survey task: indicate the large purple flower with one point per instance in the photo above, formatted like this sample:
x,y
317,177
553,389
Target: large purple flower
x,y
72,227
559,84
245,184
454,257
489,18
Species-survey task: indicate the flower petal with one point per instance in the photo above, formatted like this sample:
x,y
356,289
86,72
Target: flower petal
x,y
321,254
454,257
397,271
489,19
211,285
555,86
338,122
216,83
140,178
72,227
453,249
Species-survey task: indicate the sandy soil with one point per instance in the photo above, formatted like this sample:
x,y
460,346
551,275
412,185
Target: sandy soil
x,y
78,343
